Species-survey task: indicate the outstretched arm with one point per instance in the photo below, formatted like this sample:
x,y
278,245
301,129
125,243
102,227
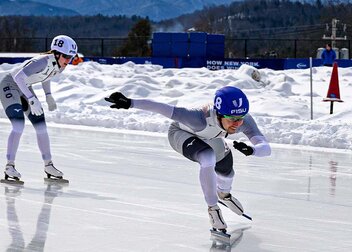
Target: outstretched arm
x,y
122,102
189,117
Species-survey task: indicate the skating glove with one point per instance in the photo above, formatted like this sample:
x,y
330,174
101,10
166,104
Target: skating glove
x,y
51,102
36,107
244,148
119,100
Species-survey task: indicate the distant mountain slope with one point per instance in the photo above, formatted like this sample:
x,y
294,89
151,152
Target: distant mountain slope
x,y
26,8
154,9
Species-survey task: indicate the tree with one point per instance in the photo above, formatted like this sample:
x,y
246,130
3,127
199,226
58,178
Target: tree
x,y
12,31
137,40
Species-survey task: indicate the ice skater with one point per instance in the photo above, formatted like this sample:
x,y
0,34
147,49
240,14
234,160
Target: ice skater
x,y
199,135
18,98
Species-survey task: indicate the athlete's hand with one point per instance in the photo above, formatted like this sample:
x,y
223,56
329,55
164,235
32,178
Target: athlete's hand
x,y
51,102
119,100
36,107
244,148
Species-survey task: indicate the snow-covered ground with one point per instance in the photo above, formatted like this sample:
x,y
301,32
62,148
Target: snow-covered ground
x,y
280,103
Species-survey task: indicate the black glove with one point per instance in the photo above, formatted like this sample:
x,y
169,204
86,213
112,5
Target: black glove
x,y
244,148
119,100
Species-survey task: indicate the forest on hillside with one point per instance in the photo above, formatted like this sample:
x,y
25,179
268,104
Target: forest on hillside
x,y
275,22
280,28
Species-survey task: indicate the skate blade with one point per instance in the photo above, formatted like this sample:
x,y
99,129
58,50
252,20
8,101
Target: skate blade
x,y
12,181
230,238
56,180
242,214
221,237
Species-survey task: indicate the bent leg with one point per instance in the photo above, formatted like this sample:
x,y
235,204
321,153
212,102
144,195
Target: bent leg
x,y
224,164
224,177
198,151
225,173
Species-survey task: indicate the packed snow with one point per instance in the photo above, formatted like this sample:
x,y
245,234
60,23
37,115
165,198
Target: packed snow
x,y
280,102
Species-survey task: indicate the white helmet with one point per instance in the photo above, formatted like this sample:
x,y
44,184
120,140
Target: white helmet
x,y
64,44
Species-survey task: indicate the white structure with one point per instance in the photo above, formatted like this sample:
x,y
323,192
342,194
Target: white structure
x,y
344,53
319,52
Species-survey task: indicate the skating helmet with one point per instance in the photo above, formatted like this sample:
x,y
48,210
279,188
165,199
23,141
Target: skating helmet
x,y
65,45
231,101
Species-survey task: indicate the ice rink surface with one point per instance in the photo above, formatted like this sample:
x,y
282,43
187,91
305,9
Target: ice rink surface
x,y
131,192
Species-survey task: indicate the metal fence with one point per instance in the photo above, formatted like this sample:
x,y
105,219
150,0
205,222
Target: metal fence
x,y
278,48
234,48
103,47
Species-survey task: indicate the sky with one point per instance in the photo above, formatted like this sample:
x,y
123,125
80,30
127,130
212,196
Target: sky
x,y
280,102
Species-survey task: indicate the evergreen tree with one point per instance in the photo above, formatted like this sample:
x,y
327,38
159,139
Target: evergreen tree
x,y
137,40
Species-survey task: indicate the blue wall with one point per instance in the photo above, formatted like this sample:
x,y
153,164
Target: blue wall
x,y
182,44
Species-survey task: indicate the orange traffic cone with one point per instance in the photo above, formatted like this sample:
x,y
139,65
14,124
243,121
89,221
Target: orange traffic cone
x,y
334,90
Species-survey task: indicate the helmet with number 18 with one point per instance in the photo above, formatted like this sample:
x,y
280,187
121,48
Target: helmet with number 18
x,y
231,101
65,45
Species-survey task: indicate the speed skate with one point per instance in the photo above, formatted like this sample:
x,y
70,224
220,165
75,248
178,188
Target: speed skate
x,y
220,236
11,181
56,180
53,179
53,174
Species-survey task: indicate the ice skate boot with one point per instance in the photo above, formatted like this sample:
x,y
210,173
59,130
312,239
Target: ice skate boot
x,y
51,170
12,176
231,202
53,174
216,219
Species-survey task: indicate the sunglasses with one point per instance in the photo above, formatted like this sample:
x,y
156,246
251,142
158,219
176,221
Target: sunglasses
x,y
65,56
234,118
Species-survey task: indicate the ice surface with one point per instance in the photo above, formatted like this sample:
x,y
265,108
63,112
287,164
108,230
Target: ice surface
x,y
132,192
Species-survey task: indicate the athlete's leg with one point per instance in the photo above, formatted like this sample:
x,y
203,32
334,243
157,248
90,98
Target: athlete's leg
x,y
224,164
11,102
207,175
198,151
224,175
43,141
44,144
